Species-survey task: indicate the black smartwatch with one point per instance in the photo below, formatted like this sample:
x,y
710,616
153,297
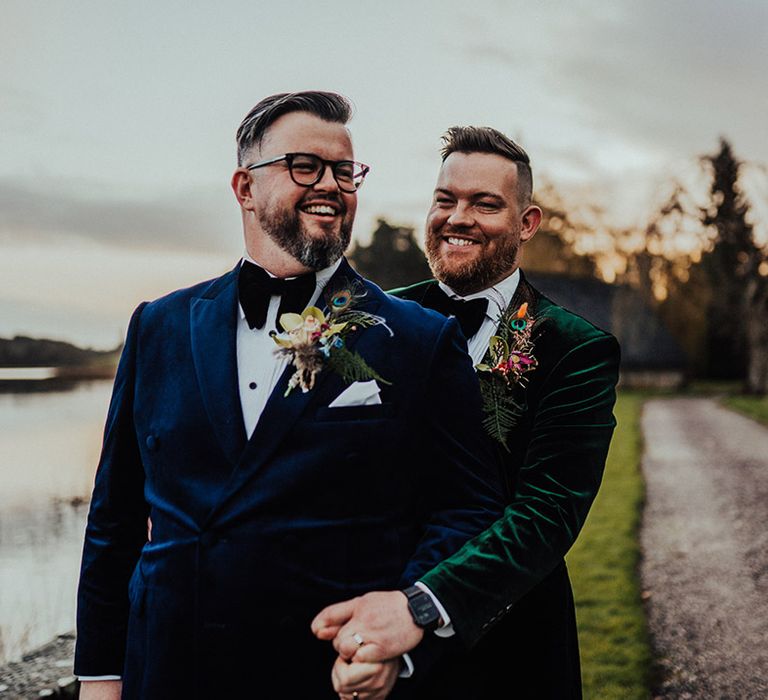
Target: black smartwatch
x,y
423,609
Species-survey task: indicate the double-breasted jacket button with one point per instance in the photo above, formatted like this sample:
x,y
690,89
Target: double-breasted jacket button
x,y
152,443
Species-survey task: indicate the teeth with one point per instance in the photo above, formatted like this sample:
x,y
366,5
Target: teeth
x,y
459,241
320,209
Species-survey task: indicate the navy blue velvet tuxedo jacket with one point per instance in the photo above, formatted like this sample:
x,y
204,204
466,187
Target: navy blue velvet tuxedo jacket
x,y
252,537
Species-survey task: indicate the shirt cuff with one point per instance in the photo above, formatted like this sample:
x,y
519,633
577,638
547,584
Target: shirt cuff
x,y
99,678
446,628
407,667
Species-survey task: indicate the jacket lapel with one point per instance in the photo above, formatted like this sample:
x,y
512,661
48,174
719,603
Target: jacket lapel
x,y
281,412
524,294
213,330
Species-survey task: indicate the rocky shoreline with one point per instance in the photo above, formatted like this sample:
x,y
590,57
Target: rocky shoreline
x,y
43,673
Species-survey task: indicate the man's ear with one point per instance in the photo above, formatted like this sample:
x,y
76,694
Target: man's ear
x,y
531,219
241,185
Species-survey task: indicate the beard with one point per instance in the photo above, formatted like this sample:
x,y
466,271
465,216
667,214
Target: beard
x,y
475,275
286,229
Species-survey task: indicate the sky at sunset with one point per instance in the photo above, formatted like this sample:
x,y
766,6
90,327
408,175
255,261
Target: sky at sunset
x,y
117,121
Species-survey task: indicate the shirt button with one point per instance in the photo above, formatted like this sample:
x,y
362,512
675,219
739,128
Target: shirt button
x,y
252,385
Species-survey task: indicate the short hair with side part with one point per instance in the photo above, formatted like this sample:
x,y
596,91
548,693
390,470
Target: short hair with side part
x,y
485,139
329,106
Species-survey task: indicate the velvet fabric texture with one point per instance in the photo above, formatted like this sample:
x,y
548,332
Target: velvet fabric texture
x,y
251,537
507,590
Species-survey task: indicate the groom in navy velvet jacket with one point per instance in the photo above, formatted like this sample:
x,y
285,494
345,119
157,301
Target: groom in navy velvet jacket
x,y
265,507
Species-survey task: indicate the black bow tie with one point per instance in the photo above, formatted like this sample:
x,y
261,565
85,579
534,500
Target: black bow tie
x,y
256,287
470,314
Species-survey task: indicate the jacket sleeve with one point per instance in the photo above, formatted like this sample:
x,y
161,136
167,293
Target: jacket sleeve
x,y
116,529
460,475
556,484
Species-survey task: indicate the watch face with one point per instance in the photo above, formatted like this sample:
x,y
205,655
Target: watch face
x,y
424,612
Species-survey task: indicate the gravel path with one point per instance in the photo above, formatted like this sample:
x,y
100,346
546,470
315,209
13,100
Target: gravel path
x,y
705,548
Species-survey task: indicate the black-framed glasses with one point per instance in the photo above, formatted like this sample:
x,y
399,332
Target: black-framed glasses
x,y
307,169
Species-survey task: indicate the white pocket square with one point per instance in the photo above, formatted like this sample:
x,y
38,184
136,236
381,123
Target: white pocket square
x,y
358,394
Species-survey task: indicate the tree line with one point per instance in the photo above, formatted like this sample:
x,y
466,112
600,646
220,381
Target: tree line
x,y
22,351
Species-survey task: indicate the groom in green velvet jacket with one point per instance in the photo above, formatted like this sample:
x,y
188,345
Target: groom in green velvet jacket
x,y
548,378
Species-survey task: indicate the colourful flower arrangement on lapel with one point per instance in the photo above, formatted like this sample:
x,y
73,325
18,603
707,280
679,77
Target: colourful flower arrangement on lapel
x,y
314,339
508,361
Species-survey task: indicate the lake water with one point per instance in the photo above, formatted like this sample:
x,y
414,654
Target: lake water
x,y
49,448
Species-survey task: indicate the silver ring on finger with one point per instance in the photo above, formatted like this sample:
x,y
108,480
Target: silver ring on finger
x,y
359,641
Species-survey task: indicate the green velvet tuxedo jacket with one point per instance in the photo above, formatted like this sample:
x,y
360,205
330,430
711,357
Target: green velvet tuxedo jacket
x,y
507,590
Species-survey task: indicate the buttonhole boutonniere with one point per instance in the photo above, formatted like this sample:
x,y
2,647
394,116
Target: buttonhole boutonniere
x,y
508,361
313,339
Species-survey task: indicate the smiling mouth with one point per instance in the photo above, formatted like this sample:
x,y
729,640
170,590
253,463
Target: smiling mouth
x,y
320,209
461,242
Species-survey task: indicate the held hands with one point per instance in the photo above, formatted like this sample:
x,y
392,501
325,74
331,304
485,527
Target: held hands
x,y
381,619
366,681
369,633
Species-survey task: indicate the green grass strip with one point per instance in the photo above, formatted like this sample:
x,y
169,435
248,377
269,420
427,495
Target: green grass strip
x,y
753,406
613,635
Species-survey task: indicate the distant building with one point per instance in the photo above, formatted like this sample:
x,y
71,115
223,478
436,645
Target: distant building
x,y
650,356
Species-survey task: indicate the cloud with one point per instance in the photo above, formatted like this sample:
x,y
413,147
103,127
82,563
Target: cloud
x,y
40,213
668,77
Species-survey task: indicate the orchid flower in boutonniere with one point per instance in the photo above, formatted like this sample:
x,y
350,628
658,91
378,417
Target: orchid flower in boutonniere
x,y
314,339
510,358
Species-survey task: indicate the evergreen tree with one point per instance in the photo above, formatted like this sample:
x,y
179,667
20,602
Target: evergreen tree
x,y
737,338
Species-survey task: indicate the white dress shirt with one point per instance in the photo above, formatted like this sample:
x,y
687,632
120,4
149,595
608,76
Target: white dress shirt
x,y
499,298
258,368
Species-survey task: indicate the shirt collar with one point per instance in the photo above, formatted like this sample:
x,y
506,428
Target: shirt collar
x,y
499,296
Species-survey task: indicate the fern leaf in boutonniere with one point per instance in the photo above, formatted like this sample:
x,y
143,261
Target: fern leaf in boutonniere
x,y
509,359
500,410
351,366
312,340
